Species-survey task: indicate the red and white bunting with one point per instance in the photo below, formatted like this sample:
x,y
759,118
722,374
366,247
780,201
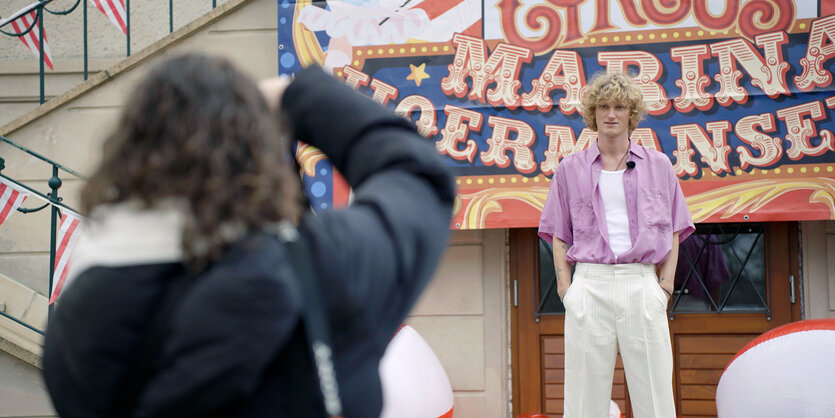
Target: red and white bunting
x,y
33,39
115,12
67,236
11,197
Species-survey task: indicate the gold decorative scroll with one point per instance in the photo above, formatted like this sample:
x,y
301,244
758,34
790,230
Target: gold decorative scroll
x,y
753,195
477,206
308,156
728,201
307,46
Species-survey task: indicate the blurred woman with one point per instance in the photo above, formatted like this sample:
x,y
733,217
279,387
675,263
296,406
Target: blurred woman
x,y
193,184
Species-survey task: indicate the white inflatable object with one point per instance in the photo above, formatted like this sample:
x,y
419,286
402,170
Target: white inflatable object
x,y
614,410
415,384
786,372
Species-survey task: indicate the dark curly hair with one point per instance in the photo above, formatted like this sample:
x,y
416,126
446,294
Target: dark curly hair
x,y
198,129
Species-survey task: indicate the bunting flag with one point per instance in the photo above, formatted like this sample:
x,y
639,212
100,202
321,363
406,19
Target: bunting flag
x,y
67,236
32,39
115,12
11,198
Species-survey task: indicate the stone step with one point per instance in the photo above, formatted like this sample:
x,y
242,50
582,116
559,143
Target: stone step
x,y
23,303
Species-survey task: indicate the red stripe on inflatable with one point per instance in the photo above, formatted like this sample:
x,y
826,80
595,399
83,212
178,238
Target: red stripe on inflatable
x,y
397,332
448,414
827,324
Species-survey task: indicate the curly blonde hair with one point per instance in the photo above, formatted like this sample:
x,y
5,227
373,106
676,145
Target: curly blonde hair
x,y
613,88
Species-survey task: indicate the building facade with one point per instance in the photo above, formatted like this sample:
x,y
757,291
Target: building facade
x,y
491,314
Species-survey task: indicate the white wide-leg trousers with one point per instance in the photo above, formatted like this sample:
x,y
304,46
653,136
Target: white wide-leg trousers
x,y
609,307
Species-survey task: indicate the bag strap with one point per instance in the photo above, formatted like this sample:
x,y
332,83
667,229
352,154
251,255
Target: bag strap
x,y
314,318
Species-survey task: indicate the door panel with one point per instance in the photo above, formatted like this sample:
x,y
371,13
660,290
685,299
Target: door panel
x,y
713,314
700,361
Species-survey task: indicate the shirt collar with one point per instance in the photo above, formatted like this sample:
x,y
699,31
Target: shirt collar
x,y
637,150
634,149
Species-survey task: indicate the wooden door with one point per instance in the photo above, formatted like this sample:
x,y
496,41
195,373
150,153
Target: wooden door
x,y
733,284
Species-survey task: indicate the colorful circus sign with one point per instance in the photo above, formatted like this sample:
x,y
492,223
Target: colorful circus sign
x,y
739,93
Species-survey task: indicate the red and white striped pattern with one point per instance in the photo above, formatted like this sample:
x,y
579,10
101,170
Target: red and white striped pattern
x,y
11,198
115,12
67,236
448,17
32,39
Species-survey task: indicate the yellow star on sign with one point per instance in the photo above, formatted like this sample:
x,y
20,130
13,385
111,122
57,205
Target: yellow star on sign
x,y
418,73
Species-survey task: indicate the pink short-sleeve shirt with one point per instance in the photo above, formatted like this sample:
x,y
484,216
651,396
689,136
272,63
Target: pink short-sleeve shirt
x,y
655,207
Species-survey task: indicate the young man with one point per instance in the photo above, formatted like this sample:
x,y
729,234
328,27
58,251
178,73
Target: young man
x,y
616,211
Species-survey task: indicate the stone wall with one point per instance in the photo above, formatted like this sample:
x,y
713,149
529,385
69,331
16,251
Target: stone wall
x,y
106,46
818,258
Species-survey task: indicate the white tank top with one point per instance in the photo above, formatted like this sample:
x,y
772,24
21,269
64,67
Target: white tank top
x,y
614,205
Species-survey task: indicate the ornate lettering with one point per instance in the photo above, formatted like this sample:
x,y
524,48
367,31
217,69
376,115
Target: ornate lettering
x,y
383,92
649,71
769,73
572,18
502,67
799,130
354,77
761,16
458,124
770,148
500,143
666,14
714,152
561,142
628,9
819,49
646,138
693,80
425,123
539,18
571,79
708,20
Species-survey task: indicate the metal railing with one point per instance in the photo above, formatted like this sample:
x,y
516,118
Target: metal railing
x,y
40,7
53,200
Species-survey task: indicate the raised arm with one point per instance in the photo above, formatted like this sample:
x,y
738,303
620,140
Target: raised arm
x,y
378,254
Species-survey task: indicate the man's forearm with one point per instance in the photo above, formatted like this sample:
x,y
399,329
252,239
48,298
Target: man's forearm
x,y
667,270
561,266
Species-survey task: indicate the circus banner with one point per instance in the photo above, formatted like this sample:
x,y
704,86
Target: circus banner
x,y
739,93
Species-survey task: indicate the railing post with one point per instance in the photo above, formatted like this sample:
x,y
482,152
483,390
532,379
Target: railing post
x,y
85,38
170,16
42,47
54,184
127,25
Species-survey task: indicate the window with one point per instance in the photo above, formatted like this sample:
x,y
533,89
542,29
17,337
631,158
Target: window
x,y
721,268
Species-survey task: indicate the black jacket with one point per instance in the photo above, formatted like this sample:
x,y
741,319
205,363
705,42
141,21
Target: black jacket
x,y
236,332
